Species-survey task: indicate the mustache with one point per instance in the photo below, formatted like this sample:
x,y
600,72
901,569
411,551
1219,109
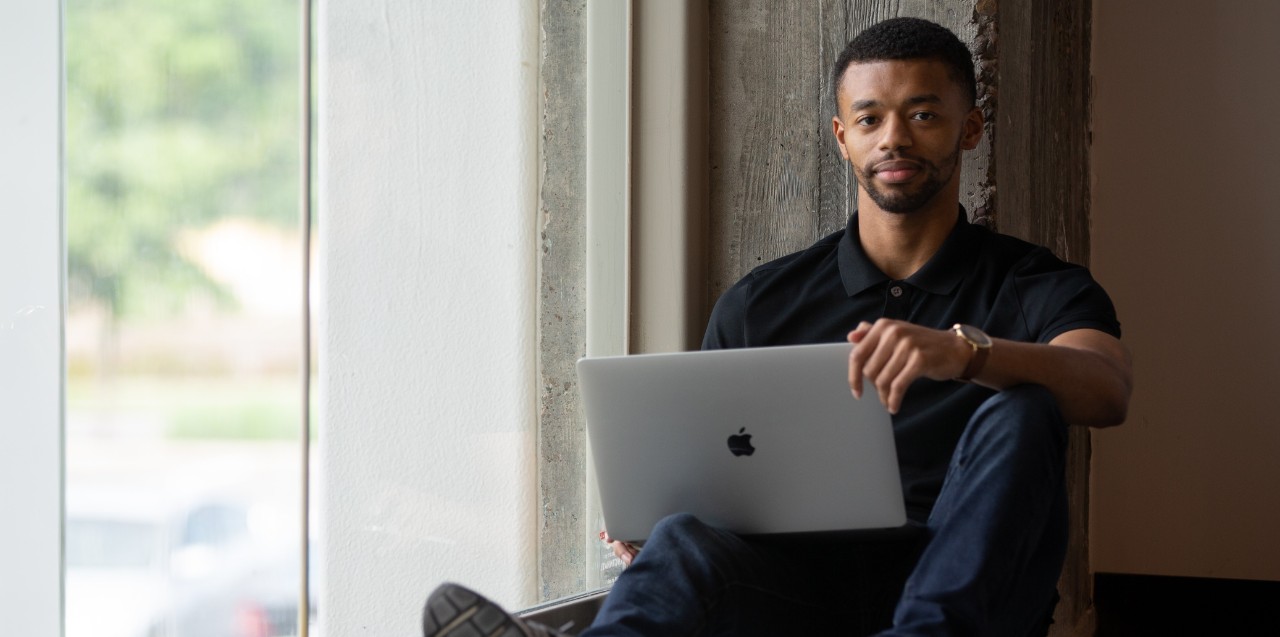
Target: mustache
x,y
896,161
897,156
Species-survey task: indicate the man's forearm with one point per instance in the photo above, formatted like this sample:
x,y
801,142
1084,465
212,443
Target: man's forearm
x,y
1089,372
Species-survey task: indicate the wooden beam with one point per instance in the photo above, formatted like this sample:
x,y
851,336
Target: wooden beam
x,y
1042,149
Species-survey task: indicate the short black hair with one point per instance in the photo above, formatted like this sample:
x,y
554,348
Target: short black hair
x,y
909,39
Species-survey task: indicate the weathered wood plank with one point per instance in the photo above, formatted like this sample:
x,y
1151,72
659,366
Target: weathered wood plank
x,y
837,188
765,81
1044,125
1043,150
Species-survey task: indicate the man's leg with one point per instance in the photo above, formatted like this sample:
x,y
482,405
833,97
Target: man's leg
x,y
692,579
998,527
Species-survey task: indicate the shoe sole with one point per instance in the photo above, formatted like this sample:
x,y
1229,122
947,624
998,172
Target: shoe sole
x,y
454,611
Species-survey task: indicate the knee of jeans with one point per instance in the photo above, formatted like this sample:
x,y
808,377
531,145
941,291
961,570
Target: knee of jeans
x,y
681,530
1027,413
678,525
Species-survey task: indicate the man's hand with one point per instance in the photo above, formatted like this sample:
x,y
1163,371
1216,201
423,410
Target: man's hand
x,y
892,354
1088,371
624,551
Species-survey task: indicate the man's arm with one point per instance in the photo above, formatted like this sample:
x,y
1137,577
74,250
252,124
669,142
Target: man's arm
x,y
1088,371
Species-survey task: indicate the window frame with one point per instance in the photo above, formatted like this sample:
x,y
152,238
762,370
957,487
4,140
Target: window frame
x,y
31,318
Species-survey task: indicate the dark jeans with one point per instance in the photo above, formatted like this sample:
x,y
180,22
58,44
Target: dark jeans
x,y
987,564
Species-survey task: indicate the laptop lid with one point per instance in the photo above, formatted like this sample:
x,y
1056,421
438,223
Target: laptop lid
x,y
757,441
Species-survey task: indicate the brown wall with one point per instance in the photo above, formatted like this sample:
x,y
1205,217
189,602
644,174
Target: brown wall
x,y
1186,230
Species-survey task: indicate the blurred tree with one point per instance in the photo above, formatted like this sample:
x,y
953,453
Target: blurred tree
x,y
178,114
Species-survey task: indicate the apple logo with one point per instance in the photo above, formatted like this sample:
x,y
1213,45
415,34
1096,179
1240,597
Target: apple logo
x,y
740,443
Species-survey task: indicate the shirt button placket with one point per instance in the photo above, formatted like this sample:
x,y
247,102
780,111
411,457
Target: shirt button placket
x,y
895,303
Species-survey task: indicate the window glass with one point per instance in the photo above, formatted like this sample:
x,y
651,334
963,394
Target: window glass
x,y
183,327
111,544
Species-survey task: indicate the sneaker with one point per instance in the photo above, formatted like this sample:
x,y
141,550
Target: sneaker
x,y
456,611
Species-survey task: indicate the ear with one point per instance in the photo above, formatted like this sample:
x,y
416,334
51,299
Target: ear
x,y
972,129
837,127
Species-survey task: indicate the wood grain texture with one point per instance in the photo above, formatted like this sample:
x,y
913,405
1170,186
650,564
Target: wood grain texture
x,y
1043,151
1044,124
837,190
764,144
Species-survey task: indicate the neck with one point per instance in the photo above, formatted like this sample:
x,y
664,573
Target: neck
x,y
901,243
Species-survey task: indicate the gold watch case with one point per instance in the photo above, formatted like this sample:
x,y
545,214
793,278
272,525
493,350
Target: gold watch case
x,y
981,344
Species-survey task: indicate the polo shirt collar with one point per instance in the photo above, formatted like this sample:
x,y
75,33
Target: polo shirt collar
x,y
940,275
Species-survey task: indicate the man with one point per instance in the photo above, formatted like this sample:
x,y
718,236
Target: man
x,y
983,347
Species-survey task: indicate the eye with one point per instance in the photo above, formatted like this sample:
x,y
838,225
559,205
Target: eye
x,y
924,116
867,120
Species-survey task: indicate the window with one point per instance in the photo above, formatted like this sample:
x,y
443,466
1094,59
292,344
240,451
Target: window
x,y
179,396
183,329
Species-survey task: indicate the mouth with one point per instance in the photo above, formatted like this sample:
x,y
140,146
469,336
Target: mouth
x,y
896,170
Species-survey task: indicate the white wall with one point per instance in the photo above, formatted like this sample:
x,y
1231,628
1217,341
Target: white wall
x,y
1186,237
427,186
30,320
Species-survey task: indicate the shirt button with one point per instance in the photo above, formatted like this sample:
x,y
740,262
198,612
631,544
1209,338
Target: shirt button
x,y
896,291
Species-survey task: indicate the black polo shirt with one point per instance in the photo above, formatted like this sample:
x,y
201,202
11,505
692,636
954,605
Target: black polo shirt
x,y
1009,288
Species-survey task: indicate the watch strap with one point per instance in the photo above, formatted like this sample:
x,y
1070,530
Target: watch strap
x,y
976,362
981,344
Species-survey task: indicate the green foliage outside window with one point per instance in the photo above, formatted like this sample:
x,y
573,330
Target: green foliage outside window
x,y
178,114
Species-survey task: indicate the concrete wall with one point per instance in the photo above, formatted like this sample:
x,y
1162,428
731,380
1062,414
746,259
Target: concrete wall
x,y
428,186
564,525
1185,229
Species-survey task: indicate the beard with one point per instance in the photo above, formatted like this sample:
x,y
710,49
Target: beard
x,y
903,199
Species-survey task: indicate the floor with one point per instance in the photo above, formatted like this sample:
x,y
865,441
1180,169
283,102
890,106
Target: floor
x,y
1126,605
1147,605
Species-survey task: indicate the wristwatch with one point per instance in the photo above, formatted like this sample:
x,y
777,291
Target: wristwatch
x,y
981,344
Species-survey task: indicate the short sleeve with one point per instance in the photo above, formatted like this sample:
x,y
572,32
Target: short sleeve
x,y
1058,297
727,327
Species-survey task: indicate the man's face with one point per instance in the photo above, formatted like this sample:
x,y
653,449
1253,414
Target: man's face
x,y
902,125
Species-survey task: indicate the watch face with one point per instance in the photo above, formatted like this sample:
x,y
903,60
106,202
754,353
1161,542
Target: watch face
x,y
975,335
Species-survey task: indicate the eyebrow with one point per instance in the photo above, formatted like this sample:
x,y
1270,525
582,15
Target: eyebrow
x,y
927,98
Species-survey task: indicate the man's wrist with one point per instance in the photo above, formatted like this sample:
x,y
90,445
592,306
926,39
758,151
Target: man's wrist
x,y
980,349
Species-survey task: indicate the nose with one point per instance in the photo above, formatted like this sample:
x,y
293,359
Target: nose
x,y
895,134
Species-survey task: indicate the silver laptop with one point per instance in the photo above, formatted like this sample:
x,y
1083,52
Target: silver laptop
x,y
757,441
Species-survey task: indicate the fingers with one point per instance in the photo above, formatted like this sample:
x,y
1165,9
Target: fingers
x,y
872,351
885,367
890,355
857,357
625,552
892,381
622,550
